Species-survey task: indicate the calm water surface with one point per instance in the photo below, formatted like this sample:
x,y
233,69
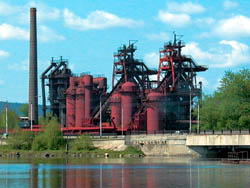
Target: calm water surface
x,y
143,172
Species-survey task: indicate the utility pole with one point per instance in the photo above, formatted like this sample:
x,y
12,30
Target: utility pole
x,y
6,118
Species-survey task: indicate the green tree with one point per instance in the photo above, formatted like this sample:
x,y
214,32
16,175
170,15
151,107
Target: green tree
x,y
24,109
45,120
13,119
51,138
54,135
40,143
229,106
21,140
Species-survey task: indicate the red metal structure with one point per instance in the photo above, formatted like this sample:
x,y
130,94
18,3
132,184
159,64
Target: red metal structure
x,y
154,113
70,104
115,110
128,93
80,104
177,81
135,102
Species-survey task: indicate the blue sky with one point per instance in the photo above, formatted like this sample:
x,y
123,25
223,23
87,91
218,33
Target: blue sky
x,y
88,32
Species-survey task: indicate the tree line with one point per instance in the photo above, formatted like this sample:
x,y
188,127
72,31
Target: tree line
x,y
228,107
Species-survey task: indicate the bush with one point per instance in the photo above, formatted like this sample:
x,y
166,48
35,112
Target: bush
x,y
45,120
21,140
39,143
54,135
51,138
84,142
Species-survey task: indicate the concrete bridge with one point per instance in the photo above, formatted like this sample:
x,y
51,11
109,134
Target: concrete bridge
x,y
218,140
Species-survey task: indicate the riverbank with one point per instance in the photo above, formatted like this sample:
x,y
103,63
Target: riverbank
x,y
95,152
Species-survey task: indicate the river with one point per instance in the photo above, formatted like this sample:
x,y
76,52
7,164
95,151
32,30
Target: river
x,y
122,172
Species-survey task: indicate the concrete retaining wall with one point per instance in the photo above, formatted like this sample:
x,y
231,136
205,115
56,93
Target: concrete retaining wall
x,y
169,145
115,144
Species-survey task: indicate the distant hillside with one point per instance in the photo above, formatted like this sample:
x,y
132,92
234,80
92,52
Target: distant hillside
x,y
15,107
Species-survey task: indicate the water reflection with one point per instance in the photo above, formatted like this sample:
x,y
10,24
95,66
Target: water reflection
x,y
147,172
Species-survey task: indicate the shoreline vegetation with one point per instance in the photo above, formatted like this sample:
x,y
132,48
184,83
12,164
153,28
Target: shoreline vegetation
x,y
50,143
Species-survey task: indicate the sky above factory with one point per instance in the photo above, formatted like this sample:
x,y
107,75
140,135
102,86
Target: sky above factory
x,y
87,33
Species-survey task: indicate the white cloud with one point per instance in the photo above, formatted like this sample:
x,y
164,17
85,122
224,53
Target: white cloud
x,y
151,59
6,9
227,54
205,21
193,49
4,54
22,66
239,54
176,20
159,36
204,81
45,34
229,4
11,32
44,12
233,27
1,82
178,14
188,7
97,20
21,13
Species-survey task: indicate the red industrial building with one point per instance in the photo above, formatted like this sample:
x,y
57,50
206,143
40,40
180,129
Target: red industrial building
x,y
136,101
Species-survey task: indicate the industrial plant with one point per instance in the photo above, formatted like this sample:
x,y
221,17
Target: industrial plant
x,y
141,99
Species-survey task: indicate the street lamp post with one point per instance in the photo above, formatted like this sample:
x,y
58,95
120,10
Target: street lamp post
x,y
198,117
122,120
190,109
31,117
100,116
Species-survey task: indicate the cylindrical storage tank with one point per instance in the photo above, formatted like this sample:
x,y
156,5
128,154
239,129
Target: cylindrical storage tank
x,y
88,84
70,104
80,106
128,92
115,108
154,108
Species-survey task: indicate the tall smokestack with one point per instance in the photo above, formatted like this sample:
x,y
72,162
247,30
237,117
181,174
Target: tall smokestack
x,y
33,104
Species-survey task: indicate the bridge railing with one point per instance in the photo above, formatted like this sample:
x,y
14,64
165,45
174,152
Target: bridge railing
x,y
200,132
